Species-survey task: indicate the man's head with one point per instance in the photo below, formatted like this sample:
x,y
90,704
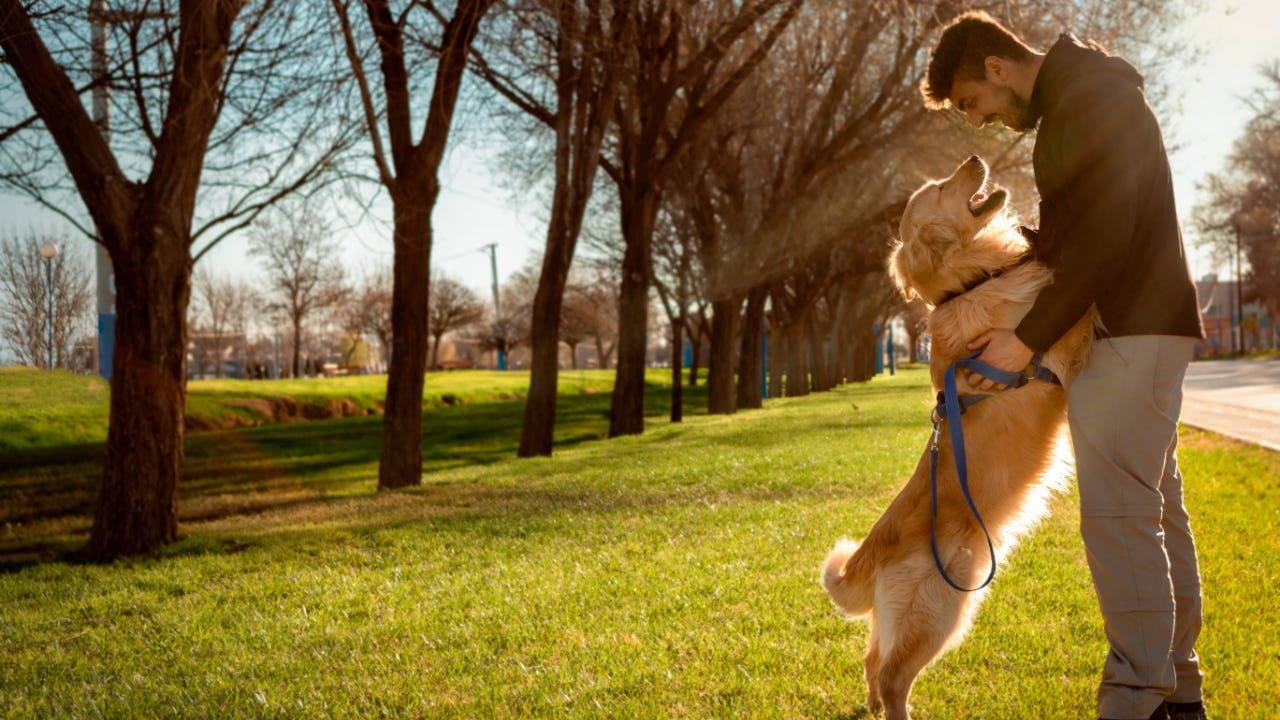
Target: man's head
x,y
981,69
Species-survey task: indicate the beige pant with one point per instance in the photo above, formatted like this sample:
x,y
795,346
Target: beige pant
x,y
1124,409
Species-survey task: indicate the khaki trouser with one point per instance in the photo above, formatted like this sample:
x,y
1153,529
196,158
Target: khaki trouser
x,y
1124,409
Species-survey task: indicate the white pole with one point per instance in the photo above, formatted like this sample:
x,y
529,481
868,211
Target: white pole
x,y
48,251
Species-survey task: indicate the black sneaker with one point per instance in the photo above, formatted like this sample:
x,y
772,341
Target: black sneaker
x,y
1186,711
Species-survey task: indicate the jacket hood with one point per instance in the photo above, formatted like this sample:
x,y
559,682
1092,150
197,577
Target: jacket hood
x,y
1069,60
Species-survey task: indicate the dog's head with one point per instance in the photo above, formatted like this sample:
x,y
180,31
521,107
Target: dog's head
x,y
953,232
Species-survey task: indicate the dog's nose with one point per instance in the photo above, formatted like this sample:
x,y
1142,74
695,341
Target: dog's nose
x,y
974,159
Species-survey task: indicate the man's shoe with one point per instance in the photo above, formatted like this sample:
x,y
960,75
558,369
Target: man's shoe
x,y
1186,711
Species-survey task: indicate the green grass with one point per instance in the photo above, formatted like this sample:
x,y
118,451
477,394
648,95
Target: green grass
x,y
39,409
672,574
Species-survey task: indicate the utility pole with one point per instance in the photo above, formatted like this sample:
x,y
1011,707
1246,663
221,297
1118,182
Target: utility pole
x,y
102,118
497,310
99,17
1239,293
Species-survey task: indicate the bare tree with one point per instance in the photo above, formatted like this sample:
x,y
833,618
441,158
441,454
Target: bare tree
x,y
197,84
1241,216
222,306
367,311
303,272
591,300
454,306
146,226
674,278
25,294
687,61
577,320
409,170
574,49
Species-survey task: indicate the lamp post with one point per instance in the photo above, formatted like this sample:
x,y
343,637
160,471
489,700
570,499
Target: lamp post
x,y
1239,295
48,251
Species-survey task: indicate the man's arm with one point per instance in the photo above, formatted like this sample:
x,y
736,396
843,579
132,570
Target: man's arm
x,y
1095,173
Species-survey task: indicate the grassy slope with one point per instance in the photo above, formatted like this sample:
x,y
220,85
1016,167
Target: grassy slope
x,y
667,575
42,410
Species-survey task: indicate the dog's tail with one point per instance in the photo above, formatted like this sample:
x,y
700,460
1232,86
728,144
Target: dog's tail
x,y
848,579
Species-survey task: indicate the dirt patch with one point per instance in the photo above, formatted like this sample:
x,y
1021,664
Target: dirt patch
x,y
282,409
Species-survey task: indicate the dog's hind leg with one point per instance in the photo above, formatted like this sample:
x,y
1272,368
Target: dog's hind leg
x,y
924,631
871,666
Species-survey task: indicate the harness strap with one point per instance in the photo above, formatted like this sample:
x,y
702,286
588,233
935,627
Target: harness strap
x,y
950,407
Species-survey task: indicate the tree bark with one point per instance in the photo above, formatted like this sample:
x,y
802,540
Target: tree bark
x,y
626,413
797,359
400,463
725,313
820,376
750,357
677,362
296,367
138,500
537,432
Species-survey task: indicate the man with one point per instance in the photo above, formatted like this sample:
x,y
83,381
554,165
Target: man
x,y
1109,230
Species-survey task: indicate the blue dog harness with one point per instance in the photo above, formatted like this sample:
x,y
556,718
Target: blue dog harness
x,y
950,407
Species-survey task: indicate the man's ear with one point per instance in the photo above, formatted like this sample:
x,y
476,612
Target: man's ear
x,y
997,70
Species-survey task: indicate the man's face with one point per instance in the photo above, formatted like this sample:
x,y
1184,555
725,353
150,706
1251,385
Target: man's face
x,y
985,101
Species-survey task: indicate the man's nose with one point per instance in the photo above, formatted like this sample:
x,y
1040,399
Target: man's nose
x,y
976,118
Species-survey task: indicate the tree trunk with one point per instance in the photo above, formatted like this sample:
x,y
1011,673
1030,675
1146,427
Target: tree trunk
x,y
435,349
695,359
820,377
864,356
797,362
777,358
724,328
137,509
296,367
414,190
677,364
400,463
626,414
538,429
750,357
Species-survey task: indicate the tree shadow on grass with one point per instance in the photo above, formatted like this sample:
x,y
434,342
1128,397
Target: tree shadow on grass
x,y
47,495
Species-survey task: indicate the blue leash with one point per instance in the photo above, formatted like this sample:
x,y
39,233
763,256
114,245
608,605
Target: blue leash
x,y
950,407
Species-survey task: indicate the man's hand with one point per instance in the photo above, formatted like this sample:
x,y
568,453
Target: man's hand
x,y
1004,351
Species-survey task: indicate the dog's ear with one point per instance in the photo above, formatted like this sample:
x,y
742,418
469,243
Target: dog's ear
x,y
899,264
937,238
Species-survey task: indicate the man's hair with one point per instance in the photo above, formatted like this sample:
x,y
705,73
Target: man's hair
x,y
962,51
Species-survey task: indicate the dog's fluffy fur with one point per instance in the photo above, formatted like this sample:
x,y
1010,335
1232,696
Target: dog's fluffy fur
x,y
952,236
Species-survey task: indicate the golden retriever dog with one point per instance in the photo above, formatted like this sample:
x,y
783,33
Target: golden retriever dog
x,y
963,255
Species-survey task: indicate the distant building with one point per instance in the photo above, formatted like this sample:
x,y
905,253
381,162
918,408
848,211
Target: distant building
x,y
1225,334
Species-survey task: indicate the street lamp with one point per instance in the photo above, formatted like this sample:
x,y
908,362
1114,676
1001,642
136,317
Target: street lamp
x,y
48,251
1239,294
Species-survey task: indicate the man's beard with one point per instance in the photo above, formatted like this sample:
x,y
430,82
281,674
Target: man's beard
x,y
1016,113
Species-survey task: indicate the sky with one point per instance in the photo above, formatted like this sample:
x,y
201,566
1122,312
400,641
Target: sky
x,y
1239,35
474,210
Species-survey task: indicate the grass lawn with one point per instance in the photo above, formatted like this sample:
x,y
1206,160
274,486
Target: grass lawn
x,y
672,574
45,410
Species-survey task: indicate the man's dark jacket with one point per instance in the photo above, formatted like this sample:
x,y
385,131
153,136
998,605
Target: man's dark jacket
x,y
1108,226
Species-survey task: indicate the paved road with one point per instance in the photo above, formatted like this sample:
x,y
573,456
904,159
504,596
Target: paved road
x,y
1237,398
